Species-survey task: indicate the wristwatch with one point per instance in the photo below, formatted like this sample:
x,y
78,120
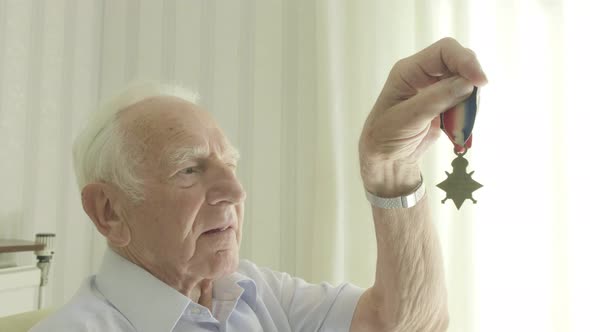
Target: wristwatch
x,y
406,201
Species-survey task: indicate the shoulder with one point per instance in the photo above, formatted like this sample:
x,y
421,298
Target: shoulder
x,y
86,311
262,276
246,266
307,306
253,271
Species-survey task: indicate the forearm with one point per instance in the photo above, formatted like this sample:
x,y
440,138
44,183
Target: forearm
x,y
409,289
409,292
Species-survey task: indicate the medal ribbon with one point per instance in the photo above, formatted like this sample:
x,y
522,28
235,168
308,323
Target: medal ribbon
x,y
458,121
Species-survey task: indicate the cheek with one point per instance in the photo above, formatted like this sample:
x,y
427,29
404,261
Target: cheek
x,y
185,209
176,211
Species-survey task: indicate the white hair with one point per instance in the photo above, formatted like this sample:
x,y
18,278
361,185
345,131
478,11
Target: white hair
x,y
101,152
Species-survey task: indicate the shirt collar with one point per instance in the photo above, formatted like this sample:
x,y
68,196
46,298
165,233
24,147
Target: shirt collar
x,y
234,287
150,304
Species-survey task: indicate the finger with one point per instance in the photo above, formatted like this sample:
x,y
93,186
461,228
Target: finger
x,y
433,134
431,101
448,56
440,60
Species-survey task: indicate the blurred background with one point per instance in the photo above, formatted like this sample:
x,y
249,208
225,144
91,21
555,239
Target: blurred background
x,y
291,82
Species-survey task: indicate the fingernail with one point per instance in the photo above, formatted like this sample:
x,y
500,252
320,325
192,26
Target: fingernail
x,y
461,87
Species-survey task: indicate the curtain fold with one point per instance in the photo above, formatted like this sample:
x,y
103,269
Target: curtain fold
x,y
291,83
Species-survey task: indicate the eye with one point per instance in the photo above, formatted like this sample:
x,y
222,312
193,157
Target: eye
x,y
191,170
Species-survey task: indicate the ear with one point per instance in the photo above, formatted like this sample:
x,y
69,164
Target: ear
x,y
99,201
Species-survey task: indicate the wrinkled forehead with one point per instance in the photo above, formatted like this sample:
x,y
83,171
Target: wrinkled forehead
x,y
167,125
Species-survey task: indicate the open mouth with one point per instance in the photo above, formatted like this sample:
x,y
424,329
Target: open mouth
x,y
217,230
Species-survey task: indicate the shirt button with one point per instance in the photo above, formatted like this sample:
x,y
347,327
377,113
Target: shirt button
x,y
196,310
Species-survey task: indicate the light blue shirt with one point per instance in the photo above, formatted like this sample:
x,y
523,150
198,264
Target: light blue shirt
x,y
124,297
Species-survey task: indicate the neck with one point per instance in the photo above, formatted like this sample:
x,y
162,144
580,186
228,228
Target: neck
x,y
199,290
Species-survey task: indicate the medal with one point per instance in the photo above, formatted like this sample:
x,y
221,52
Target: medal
x,y
457,123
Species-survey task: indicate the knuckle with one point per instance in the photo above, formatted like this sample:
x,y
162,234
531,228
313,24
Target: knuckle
x,y
469,60
448,41
400,65
470,57
470,51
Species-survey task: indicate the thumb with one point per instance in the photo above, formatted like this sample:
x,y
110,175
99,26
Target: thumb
x,y
437,98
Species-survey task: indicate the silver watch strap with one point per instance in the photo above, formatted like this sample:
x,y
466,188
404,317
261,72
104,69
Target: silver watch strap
x,y
406,201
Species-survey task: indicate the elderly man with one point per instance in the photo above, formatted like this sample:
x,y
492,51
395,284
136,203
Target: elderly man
x,y
157,178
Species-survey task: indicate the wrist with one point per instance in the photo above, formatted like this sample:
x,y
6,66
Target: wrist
x,y
390,178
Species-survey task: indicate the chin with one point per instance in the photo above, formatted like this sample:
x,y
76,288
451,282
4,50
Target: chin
x,y
224,262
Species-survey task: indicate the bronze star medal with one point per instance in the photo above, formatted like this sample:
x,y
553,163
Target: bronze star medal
x,y
457,123
459,185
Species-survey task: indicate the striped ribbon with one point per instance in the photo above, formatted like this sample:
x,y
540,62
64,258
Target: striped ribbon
x,y
458,121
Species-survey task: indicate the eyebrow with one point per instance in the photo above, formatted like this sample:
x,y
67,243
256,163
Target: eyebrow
x,y
185,154
232,153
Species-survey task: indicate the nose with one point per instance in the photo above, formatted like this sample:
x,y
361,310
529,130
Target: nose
x,y
225,187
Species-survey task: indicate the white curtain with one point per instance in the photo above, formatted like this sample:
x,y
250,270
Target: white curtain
x,y
291,82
